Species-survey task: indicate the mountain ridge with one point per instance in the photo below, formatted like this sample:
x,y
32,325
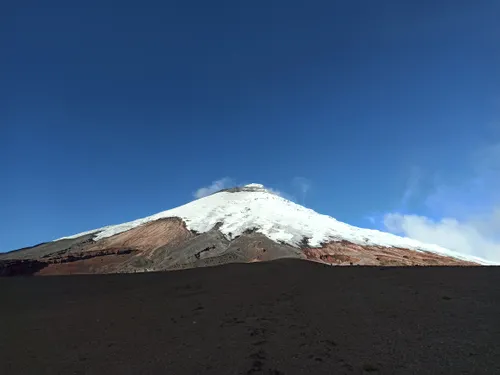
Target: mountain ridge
x,y
242,224
188,213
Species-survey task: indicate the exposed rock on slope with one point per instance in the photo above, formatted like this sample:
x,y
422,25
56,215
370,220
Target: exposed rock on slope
x,y
246,224
344,253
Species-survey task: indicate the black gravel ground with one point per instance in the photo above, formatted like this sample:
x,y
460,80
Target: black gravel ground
x,y
282,317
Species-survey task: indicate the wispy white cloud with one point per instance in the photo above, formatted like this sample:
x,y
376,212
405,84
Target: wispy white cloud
x,y
371,219
412,186
465,215
276,192
467,237
302,185
282,194
215,186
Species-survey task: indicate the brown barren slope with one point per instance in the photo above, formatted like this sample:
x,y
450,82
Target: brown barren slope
x,y
148,237
346,253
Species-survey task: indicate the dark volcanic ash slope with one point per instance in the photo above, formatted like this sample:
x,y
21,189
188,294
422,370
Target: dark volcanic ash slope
x,y
285,317
244,225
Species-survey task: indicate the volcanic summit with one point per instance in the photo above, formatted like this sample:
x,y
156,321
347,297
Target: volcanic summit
x,y
237,225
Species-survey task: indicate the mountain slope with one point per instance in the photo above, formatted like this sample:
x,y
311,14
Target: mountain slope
x,y
242,224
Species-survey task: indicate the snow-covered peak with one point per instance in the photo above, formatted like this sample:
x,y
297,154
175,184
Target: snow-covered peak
x,y
255,186
247,188
253,207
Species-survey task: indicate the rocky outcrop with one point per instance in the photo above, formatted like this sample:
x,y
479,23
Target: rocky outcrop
x,y
91,262
20,267
67,263
48,249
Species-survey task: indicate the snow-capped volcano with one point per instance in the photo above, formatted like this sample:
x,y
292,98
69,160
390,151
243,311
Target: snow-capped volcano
x,y
253,207
242,224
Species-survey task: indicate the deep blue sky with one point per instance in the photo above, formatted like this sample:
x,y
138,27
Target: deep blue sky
x,y
111,111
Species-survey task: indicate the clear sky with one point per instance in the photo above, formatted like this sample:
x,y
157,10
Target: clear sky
x,y
381,114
